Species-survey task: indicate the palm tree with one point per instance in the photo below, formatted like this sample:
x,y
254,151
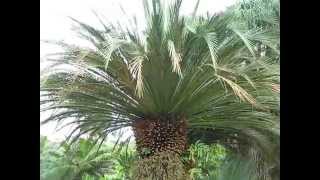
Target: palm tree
x,y
181,74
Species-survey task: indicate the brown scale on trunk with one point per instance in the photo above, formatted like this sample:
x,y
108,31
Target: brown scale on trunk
x,y
158,135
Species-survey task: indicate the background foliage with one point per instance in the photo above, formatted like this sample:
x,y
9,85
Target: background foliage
x,y
58,161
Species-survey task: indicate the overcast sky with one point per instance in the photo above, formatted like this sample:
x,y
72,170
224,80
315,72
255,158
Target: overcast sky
x,y
55,25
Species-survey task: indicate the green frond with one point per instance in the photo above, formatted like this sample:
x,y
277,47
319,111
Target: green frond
x,y
212,44
249,44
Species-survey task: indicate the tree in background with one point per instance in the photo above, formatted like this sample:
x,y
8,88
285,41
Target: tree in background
x,y
74,162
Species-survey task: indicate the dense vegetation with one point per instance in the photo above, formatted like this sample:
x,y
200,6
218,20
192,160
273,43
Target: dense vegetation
x,y
84,162
201,94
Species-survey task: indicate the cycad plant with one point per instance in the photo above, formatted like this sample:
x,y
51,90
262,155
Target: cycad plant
x,y
77,161
179,74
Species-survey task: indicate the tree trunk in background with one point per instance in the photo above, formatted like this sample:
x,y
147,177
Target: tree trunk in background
x,y
160,143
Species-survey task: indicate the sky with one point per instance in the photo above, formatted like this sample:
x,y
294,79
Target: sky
x,y
55,25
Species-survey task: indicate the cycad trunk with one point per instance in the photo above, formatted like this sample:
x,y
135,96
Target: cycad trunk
x,y
160,143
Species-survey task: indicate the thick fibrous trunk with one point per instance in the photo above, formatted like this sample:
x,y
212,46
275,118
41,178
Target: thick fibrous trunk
x,y
164,165
159,143
160,135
